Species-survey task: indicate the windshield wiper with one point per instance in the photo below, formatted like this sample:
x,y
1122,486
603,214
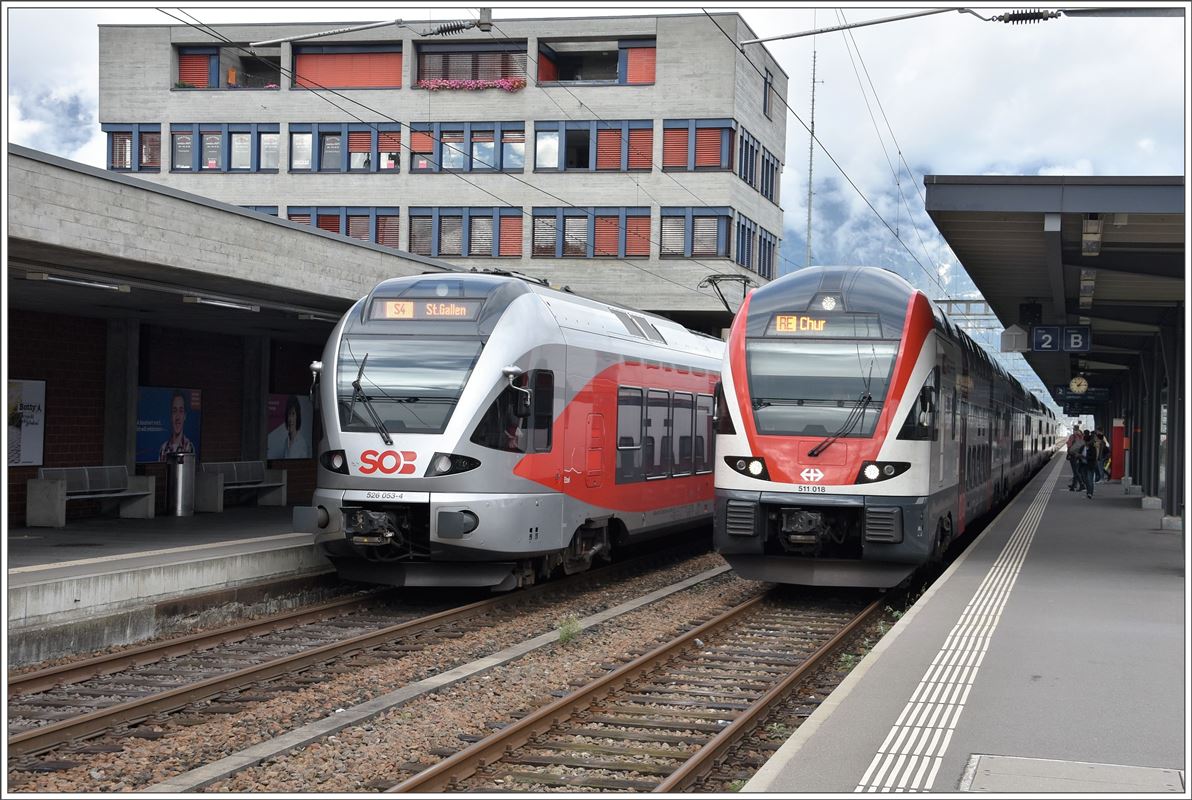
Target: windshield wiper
x,y
850,422
357,392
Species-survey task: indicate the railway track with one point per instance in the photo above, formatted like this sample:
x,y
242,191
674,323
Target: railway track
x,y
665,720
73,703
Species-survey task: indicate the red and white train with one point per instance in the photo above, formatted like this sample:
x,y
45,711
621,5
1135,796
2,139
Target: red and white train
x,y
486,430
859,431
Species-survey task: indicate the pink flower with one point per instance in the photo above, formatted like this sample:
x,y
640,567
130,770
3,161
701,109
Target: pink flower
x,y
505,84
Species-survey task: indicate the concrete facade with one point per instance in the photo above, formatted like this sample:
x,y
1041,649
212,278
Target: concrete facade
x,y
699,75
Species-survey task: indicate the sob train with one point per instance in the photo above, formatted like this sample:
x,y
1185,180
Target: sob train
x,y
483,429
859,431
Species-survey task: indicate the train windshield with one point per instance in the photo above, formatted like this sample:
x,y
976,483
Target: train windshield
x,y
411,383
803,387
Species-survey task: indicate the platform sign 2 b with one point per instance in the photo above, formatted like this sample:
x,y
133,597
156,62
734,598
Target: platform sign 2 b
x,y
1045,338
1077,339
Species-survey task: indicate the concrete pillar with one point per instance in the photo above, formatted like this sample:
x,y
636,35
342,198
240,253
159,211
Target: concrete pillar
x,y
254,394
1173,353
121,372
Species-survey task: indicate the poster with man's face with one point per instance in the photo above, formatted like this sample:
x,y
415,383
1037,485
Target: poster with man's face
x,y
168,421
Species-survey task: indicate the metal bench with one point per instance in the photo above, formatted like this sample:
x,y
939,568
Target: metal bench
x,y
45,505
215,478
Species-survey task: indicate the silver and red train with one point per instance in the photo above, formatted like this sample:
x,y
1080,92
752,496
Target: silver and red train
x,y
859,431
486,430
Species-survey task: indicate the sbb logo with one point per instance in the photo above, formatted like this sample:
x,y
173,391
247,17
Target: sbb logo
x,y
388,462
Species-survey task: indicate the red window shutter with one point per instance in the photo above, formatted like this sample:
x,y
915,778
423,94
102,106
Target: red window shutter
x,y
195,70
641,148
359,142
387,230
421,142
329,222
608,149
347,70
674,147
640,64
637,236
547,69
707,147
607,235
511,236
301,219
358,227
389,141
121,151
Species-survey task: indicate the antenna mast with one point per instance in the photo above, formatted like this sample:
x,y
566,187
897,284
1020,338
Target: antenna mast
x,y
810,158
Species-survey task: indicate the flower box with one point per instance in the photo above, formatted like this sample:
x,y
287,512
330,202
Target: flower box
x,y
440,84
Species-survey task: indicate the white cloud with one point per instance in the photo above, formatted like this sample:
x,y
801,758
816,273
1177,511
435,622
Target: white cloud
x,y
21,129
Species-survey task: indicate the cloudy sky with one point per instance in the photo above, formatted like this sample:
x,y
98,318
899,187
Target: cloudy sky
x,y
940,94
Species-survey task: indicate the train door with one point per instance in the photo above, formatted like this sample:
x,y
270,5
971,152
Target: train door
x,y
941,419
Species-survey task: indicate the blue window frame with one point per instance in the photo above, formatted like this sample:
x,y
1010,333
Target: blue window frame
x,y
747,158
769,178
134,147
345,147
746,238
570,145
467,146
367,223
695,232
271,210
700,133
462,232
569,232
767,250
224,147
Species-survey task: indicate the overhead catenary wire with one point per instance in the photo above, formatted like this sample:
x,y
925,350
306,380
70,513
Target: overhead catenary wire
x,y
209,30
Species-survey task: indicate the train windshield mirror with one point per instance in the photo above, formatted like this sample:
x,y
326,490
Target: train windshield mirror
x,y
412,384
808,388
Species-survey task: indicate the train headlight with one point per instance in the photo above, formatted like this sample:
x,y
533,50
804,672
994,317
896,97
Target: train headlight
x,y
450,464
873,471
749,466
335,460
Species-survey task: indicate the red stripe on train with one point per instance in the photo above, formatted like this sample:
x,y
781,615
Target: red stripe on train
x,y
582,462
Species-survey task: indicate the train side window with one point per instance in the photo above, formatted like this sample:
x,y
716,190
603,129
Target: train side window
x,y
502,429
920,422
629,435
656,441
683,416
722,420
954,412
705,433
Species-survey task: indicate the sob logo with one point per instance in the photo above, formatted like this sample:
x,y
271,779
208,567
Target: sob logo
x,y
387,462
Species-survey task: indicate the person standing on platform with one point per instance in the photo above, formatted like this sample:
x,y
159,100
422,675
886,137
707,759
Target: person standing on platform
x,y
1088,462
1075,442
1102,456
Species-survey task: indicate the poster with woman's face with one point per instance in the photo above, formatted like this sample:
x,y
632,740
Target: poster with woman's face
x,y
168,421
291,426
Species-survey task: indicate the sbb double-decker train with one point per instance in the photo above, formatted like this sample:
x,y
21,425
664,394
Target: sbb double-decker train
x,y
485,430
859,431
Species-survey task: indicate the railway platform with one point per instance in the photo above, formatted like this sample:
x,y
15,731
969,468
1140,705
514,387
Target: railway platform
x,y
103,581
1049,657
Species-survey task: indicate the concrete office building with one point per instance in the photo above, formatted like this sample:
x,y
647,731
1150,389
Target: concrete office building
x,y
628,157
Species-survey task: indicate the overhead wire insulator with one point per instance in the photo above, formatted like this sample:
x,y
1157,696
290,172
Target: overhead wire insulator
x,y
1026,17
448,28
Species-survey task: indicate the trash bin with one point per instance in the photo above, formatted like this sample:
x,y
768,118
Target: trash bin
x,y
180,484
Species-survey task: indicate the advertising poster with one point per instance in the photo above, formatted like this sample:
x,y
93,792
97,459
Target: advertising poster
x,y
168,421
291,426
26,422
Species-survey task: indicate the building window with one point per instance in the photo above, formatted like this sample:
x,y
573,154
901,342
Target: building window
x,y
695,232
347,66
746,236
625,61
467,147
767,92
484,232
134,147
369,224
591,232
747,158
370,147
229,67
767,250
770,171
697,144
615,145
219,147
270,210
439,65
